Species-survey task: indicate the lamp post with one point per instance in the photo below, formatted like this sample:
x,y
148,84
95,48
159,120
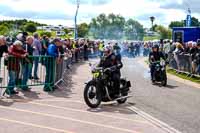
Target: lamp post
x,y
152,18
75,20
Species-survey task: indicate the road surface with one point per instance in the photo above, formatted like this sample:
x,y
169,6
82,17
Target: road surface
x,y
178,104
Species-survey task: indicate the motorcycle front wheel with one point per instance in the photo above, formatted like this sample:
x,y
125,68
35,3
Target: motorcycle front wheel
x,y
92,95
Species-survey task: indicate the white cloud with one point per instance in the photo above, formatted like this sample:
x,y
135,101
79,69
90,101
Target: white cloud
x,y
128,8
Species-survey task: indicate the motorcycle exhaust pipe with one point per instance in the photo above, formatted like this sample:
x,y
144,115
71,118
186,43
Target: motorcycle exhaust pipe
x,y
122,97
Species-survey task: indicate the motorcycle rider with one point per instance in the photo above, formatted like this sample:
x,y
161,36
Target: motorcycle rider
x,y
155,56
113,65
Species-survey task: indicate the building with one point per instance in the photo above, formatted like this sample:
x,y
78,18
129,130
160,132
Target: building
x,y
186,34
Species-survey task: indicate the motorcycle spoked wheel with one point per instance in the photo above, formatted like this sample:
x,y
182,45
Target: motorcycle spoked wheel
x,y
92,96
122,101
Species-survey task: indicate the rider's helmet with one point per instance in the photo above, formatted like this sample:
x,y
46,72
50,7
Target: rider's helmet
x,y
155,47
107,51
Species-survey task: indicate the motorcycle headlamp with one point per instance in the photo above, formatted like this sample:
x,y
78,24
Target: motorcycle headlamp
x,y
96,74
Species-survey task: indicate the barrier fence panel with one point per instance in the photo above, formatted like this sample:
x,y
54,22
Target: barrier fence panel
x,y
61,68
183,63
25,72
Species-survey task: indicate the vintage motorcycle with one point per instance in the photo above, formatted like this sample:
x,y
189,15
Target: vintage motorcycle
x,y
100,88
160,74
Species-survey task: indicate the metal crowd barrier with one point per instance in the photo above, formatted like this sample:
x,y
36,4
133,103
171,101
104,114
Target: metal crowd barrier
x,y
16,72
182,63
61,69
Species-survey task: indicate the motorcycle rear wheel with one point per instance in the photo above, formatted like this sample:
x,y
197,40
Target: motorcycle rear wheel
x,y
122,84
164,82
122,101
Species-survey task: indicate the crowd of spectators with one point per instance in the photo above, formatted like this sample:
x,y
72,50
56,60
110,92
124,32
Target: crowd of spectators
x,y
26,53
185,55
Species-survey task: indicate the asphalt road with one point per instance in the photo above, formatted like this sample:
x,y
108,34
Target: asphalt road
x,y
178,105
64,111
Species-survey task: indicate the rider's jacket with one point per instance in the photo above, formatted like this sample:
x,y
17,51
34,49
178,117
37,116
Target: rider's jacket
x,y
111,61
156,56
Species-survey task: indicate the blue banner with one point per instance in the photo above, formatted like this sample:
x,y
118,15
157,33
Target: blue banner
x,y
188,21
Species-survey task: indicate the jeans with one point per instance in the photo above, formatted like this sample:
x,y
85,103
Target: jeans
x,y
68,62
12,80
76,56
36,62
26,70
0,66
198,69
86,55
50,73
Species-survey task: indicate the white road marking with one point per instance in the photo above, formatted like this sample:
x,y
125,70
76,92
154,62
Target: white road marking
x,y
154,121
92,113
34,125
70,119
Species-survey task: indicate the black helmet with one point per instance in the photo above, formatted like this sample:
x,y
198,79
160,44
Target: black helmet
x,y
155,46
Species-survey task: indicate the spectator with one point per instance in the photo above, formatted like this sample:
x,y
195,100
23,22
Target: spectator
x,y
68,56
3,49
27,63
76,50
101,47
37,52
189,48
22,37
44,43
166,48
179,48
52,51
191,51
16,53
198,57
178,51
85,49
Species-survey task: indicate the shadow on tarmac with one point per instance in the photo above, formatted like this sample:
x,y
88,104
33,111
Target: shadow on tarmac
x,y
64,90
113,108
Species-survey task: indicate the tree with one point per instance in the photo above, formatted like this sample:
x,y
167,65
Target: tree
x,y
176,24
115,27
83,30
30,27
66,31
134,30
46,33
195,22
165,33
4,30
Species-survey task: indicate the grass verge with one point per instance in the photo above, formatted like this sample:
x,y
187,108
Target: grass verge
x,y
184,76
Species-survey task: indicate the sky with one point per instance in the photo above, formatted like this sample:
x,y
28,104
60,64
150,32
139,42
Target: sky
x,y
62,12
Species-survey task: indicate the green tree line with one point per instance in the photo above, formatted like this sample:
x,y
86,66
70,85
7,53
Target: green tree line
x,y
8,27
113,27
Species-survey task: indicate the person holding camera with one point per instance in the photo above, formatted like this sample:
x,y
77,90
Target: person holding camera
x,y
3,49
16,53
27,63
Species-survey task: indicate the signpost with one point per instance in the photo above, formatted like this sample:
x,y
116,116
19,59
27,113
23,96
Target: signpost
x,y
189,18
75,20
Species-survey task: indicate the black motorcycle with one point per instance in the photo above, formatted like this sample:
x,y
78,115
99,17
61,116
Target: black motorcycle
x,y
100,88
160,74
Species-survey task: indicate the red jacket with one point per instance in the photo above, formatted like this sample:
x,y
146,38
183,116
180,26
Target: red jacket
x,y
15,58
